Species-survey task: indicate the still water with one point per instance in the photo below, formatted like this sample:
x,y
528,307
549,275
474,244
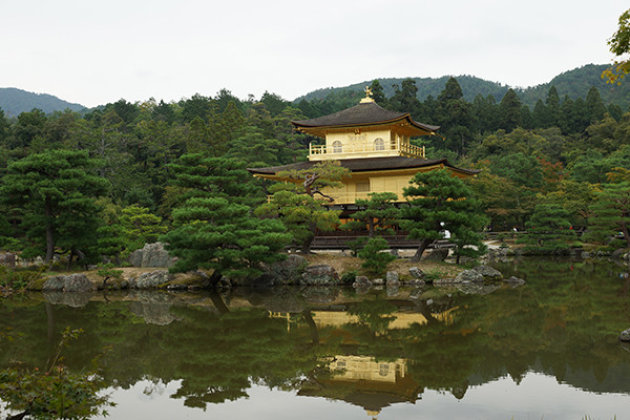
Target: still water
x,y
548,349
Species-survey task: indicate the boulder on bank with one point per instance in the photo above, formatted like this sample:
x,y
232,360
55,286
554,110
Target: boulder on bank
x,y
488,272
151,255
625,336
288,271
436,255
416,273
319,275
8,259
69,283
361,282
469,276
391,279
150,280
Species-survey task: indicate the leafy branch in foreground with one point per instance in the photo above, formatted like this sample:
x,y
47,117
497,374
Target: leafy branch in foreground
x,y
55,392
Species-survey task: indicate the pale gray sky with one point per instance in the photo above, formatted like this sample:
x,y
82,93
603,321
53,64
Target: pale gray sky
x,y
94,52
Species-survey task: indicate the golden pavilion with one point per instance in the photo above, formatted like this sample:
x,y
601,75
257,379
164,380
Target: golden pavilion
x,y
374,144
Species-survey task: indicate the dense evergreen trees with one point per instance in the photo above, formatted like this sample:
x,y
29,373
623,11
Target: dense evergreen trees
x,y
558,152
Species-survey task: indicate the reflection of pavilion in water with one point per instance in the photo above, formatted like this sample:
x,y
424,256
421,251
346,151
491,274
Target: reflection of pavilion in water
x,y
399,320
366,382
363,380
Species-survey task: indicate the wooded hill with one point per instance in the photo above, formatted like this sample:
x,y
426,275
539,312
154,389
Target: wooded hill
x,y
15,101
573,83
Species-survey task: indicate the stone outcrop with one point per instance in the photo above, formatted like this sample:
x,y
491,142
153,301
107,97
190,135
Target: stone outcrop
x,y
416,273
8,259
469,276
625,336
488,272
391,279
436,255
288,271
150,280
151,255
319,275
361,282
69,283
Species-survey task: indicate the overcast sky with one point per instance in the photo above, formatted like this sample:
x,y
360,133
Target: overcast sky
x,y
94,52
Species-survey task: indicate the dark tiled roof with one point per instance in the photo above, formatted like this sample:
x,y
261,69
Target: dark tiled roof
x,y
366,164
362,114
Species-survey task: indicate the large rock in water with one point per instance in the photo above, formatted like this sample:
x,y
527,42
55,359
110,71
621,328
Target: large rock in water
x,y
151,255
319,275
150,280
391,278
469,276
69,283
488,272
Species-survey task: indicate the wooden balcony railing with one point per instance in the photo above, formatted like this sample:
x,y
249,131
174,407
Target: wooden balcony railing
x,y
324,152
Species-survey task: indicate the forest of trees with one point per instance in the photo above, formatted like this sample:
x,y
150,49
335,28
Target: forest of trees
x,y
103,182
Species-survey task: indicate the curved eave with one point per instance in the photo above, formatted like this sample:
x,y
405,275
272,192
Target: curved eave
x,y
319,130
357,166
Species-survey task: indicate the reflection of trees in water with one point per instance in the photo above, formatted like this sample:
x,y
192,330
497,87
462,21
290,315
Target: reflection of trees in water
x,y
563,323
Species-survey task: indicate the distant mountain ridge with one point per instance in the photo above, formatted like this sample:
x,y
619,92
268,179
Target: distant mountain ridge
x,y
14,101
573,83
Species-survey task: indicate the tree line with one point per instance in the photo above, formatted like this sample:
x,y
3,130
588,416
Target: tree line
x,y
105,182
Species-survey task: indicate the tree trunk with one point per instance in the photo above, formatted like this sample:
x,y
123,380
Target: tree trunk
x,y
423,245
214,279
626,234
50,240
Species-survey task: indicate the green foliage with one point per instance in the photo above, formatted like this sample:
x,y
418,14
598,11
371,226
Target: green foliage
x,y
441,202
107,271
548,230
611,213
56,191
213,228
357,245
139,226
301,214
297,203
619,45
378,213
374,259
55,392
349,277
17,280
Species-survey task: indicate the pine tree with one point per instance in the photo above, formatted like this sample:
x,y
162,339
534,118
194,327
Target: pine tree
x,y
213,228
438,202
378,94
298,203
611,213
374,259
548,229
510,111
378,213
552,103
595,108
56,191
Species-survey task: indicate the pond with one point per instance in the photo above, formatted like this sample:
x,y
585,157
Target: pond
x,y
548,349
